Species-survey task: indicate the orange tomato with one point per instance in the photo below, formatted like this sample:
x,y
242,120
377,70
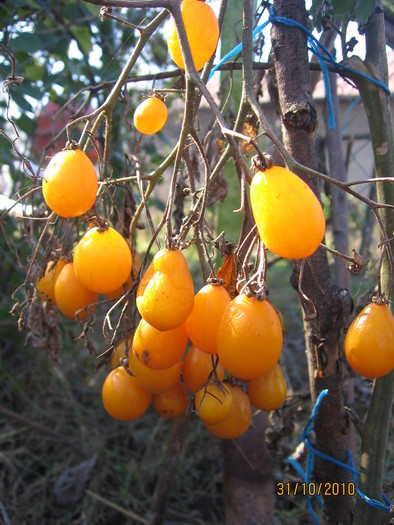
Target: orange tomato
x,y
213,402
165,296
250,337
288,215
239,418
197,367
122,397
150,116
153,380
369,341
268,392
102,260
202,30
171,403
71,296
126,286
46,284
159,349
69,183
202,325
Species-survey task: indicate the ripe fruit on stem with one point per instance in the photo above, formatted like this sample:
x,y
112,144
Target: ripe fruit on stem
x,y
172,402
369,341
202,325
71,296
268,392
165,296
46,284
69,183
288,215
150,116
102,260
250,337
202,30
154,381
238,419
122,397
197,367
213,402
159,348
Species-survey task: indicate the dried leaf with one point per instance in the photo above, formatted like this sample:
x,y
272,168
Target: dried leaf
x,y
250,130
70,485
228,273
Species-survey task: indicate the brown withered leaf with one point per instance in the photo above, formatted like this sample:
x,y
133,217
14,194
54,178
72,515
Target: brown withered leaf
x,y
359,262
228,273
249,129
70,485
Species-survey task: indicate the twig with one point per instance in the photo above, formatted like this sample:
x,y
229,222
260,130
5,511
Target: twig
x,y
6,518
125,512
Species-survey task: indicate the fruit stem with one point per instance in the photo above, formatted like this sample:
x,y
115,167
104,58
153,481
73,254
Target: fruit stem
x,y
261,162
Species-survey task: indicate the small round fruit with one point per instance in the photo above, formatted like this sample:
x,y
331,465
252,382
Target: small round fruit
x,y
71,296
369,341
171,403
102,260
268,392
159,349
288,215
202,325
197,368
238,419
250,337
46,284
69,183
165,296
150,116
202,30
213,402
122,397
153,380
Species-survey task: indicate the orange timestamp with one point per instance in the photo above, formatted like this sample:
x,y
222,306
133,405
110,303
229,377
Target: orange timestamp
x,y
315,489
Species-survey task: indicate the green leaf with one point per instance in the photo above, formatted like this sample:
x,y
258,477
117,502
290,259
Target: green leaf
x,y
34,72
343,9
27,42
26,124
363,10
83,36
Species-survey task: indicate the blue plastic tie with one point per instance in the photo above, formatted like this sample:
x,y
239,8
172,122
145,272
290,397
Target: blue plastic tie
x,y
312,452
322,54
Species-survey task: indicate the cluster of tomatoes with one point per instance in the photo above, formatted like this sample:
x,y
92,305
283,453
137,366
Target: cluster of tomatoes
x,y
239,338
242,337
207,352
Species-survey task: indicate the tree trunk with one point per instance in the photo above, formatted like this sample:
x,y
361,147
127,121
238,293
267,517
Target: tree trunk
x,y
325,305
377,104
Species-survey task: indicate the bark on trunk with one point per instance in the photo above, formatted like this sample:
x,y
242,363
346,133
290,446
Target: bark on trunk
x,y
325,305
